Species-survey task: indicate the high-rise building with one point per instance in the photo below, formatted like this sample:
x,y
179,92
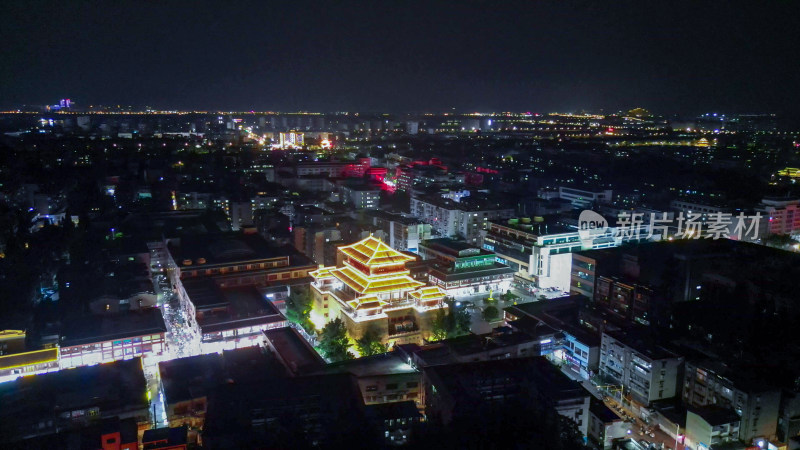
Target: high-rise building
x,y
291,139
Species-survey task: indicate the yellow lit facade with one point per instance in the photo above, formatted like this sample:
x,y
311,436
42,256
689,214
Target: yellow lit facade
x,y
17,361
791,172
371,288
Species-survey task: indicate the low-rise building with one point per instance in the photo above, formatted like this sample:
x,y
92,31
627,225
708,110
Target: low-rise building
x,y
326,411
643,371
501,343
383,378
461,269
231,317
711,426
740,389
212,262
73,399
17,360
455,389
292,351
394,421
167,438
582,198
574,346
185,384
99,339
605,426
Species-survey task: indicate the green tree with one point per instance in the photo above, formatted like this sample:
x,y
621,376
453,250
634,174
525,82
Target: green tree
x,y
370,343
491,313
298,308
450,322
439,327
333,341
462,321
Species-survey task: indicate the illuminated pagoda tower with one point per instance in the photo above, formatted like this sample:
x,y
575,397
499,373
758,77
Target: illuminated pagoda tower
x,y
371,289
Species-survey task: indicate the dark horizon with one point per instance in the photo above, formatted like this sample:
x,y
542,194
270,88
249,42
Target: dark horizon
x,y
413,57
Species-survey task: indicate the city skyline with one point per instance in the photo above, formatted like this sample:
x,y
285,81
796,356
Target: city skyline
x,y
670,59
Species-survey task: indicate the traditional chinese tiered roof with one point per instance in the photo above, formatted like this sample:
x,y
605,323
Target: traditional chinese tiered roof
x,y
372,285
366,302
372,251
322,273
428,293
376,278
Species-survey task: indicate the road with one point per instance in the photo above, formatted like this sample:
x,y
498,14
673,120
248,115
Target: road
x,y
660,439
477,303
181,340
158,413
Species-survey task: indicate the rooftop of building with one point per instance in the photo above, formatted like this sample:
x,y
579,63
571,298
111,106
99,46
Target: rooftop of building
x,y
42,356
392,216
454,248
119,385
229,307
602,412
642,342
391,363
87,437
465,380
716,415
191,377
250,364
534,327
373,251
233,408
742,371
701,201
157,438
229,249
308,164
85,329
558,313
472,343
156,226
293,350
449,273
468,204
361,185
552,306
536,226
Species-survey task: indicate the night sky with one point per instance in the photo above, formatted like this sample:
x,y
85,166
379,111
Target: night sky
x,y
404,56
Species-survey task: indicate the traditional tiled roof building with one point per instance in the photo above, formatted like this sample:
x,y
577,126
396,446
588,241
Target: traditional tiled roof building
x,y
372,288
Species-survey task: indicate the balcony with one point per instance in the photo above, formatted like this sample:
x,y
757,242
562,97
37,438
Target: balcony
x,y
397,329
